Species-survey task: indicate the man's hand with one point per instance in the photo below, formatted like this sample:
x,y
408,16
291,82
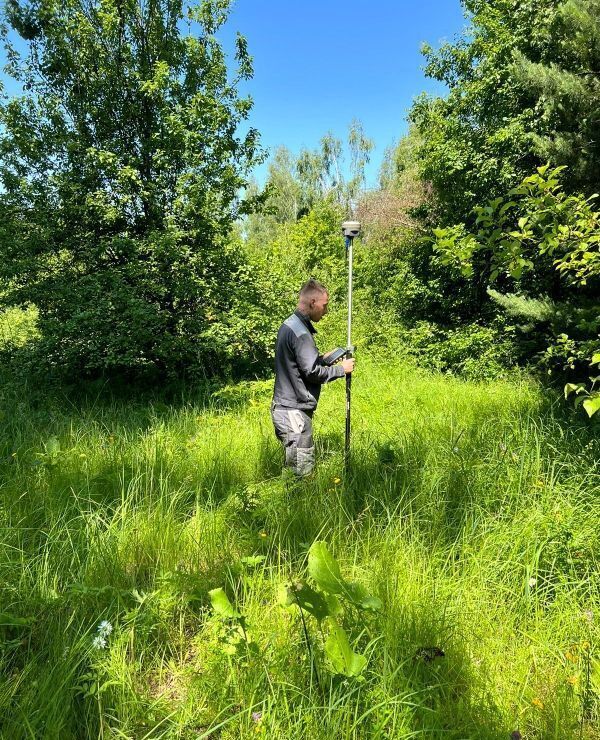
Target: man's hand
x,y
348,365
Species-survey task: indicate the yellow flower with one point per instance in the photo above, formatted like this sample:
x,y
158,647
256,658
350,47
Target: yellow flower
x,y
337,481
82,456
585,645
537,703
569,656
573,680
262,535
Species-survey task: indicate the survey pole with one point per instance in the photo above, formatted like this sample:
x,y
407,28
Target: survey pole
x,y
350,229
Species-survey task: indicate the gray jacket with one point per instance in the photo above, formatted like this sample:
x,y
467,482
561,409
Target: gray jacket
x,y
299,368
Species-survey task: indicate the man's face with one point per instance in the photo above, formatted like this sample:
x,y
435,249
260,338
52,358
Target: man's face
x,y
318,306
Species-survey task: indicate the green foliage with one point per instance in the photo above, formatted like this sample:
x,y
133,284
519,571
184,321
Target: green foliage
x,y
472,350
343,660
523,90
310,246
535,228
589,399
120,168
297,184
325,607
535,220
325,571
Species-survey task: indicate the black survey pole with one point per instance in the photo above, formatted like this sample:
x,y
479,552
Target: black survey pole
x,y
350,229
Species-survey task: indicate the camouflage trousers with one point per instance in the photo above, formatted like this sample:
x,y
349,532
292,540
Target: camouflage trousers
x,y
293,429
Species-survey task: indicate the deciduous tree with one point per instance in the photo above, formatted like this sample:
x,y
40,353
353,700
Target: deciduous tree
x,y
120,166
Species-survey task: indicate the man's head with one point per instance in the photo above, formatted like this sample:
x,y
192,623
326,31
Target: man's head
x,y
313,300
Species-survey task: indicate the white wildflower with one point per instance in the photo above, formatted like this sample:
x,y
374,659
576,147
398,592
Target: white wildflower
x,y
105,628
99,642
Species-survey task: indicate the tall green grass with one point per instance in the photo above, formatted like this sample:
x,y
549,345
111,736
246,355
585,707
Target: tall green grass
x,y
471,510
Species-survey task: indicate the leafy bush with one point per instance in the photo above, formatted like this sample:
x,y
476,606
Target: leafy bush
x,y
473,351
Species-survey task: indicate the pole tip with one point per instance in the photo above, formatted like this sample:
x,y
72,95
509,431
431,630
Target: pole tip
x,y
350,229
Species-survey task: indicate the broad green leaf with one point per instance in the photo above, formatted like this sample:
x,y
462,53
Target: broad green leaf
x,y
360,597
301,594
592,405
324,569
253,560
595,358
343,659
221,604
572,388
9,620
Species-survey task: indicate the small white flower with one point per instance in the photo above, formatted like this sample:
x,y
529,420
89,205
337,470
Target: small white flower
x,y
455,449
105,628
99,642
532,582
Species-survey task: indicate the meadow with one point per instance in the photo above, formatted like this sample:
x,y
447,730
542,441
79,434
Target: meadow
x,y
470,511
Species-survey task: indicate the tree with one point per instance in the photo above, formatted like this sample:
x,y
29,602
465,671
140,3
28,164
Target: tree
x,y
536,226
523,90
120,168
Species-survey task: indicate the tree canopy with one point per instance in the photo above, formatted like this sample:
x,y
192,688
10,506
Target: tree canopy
x,y
523,89
121,165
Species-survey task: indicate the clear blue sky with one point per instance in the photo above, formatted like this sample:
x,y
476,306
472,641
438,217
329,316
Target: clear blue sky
x,y
320,63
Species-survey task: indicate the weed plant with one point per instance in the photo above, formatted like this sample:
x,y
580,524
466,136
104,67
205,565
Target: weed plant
x,y
471,510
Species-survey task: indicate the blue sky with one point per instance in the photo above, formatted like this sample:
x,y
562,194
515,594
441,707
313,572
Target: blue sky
x,y
319,64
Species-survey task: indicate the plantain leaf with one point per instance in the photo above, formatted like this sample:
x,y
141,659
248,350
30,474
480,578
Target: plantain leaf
x,y
344,661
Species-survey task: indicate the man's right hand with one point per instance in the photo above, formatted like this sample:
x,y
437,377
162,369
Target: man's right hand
x,y
348,365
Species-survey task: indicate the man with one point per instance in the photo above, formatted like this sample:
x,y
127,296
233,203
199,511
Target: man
x,y
299,373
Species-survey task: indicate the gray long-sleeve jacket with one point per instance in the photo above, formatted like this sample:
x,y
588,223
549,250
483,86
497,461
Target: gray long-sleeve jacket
x,y
299,368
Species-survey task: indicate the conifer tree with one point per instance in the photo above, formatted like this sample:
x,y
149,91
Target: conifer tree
x,y
524,88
